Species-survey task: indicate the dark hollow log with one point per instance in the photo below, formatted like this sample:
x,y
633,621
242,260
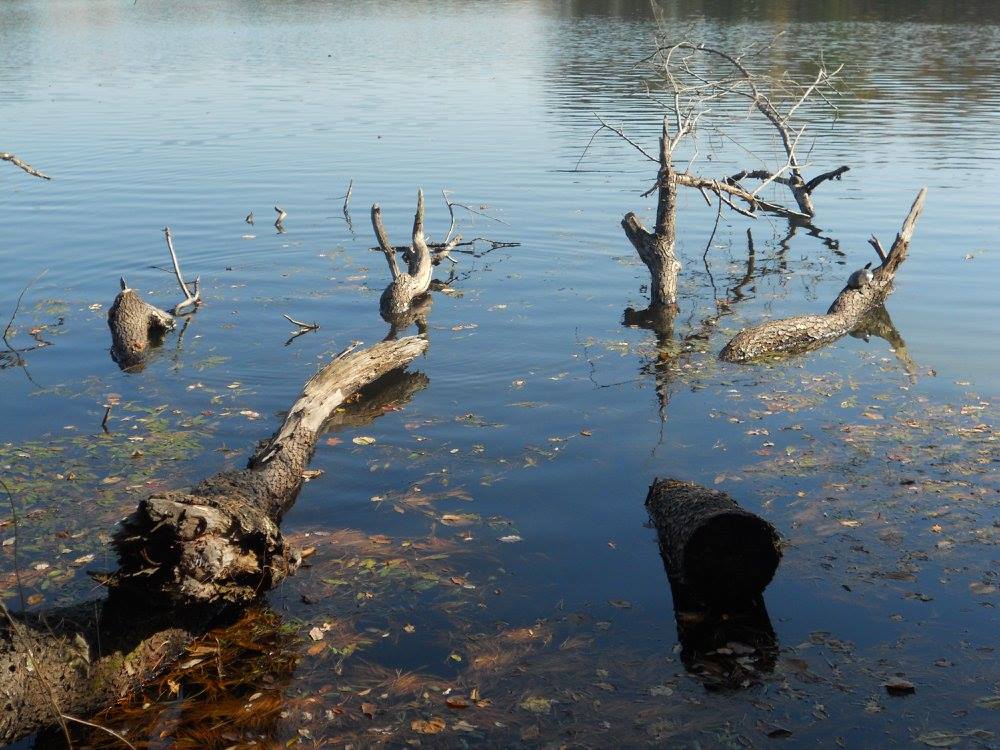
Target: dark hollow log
x,y
710,545
807,332
185,558
135,326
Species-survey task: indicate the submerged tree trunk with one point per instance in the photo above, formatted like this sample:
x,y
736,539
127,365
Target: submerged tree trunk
x,y
185,557
710,545
847,313
135,326
657,249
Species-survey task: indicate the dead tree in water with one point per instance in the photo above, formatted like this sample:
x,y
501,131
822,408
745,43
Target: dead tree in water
x,y
693,81
404,287
184,558
847,313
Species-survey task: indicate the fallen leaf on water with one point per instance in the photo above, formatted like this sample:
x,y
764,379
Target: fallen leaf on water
x,y
536,705
510,539
939,739
316,649
363,440
316,634
428,726
457,702
981,589
620,603
368,709
311,474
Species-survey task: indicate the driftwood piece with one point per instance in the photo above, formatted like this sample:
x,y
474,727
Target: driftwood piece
x,y
847,313
135,326
404,287
22,165
185,558
710,545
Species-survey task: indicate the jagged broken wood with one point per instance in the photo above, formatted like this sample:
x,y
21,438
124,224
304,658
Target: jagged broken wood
x,y
710,545
184,558
135,326
847,313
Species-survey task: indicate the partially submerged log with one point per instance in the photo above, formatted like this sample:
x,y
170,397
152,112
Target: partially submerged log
x,y
709,544
185,558
848,311
135,326
404,287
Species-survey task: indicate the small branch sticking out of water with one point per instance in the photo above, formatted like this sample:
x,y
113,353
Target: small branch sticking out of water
x,y
191,299
279,223
21,164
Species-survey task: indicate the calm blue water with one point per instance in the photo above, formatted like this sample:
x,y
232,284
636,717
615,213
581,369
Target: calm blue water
x,y
155,114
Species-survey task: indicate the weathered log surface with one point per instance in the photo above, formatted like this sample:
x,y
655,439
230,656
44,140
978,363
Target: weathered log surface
x,y
135,326
710,545
185,558
219,541
848,311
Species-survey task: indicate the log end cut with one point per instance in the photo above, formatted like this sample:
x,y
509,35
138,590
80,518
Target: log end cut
x,y
709,543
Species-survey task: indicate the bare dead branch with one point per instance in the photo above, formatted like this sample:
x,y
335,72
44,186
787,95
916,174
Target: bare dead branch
x,y
383,241
279,223
874,242
347,198
191,299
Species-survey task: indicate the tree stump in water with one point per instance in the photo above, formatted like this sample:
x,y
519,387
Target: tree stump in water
x,y
135,326
710,545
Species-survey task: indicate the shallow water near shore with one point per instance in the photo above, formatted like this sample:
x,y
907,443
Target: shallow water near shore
x,y
486,562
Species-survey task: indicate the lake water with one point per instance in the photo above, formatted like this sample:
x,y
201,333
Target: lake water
x,y
541,416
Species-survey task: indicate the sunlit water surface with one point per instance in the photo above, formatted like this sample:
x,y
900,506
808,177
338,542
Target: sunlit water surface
x,y
542,415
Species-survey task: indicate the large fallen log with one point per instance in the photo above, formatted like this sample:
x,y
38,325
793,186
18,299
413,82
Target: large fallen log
x,y
185,558
847,313
711,546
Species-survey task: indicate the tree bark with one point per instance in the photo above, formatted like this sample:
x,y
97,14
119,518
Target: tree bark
x,y
657,249
710,545
848,311
185,558
135,326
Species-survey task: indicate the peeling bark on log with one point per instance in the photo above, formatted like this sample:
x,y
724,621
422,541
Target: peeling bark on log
x,y
848,311
135,326
656,249
710,545
185,559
